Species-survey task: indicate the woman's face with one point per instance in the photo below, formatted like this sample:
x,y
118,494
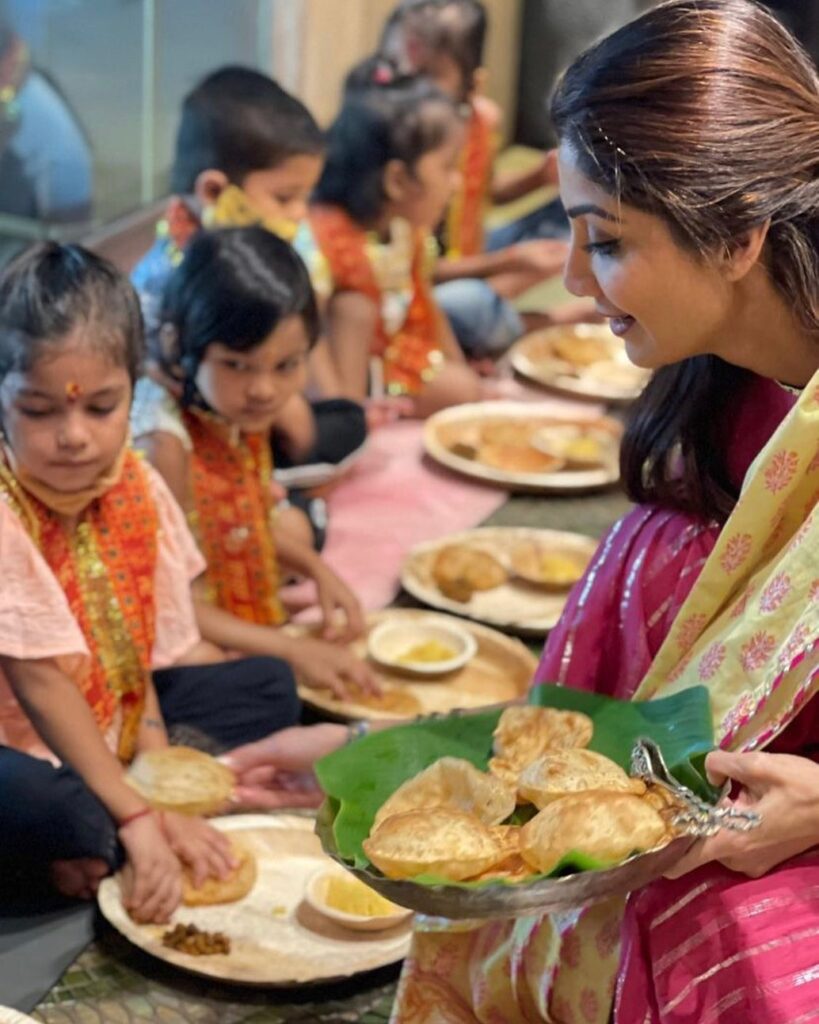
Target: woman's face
x,y
664,302
249,389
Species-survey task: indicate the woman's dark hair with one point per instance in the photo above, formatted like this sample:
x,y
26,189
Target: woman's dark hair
x,y
706,114
50,291
237,121
418,30
385,116
234,286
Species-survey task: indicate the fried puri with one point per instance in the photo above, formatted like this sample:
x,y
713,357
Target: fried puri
x,y
607,827
454,784
439,841
182,779
562,773
460,570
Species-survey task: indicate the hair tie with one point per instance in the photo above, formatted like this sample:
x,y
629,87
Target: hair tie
x,y
382,75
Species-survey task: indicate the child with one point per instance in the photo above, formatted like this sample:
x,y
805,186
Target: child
x,y
247,152
391,169
478,276
97,564
238,319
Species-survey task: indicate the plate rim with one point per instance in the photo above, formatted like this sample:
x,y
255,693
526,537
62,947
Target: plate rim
x,y
523,364
545,895
519,628
564,482
306,694
232,823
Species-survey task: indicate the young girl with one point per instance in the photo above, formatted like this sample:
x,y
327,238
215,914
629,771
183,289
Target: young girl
x,y
479,277
97,565
238,319
391,169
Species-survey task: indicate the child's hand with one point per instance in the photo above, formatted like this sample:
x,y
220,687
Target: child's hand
x,y
325,666
199,846
548,170
333,596
152,876
390,409
541,257
278,770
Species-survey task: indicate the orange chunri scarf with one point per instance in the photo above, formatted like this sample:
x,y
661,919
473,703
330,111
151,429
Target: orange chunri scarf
x,y
464,223
233,508
106,568
410,354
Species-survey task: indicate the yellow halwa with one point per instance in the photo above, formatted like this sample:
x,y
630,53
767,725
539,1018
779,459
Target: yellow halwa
x,y
351,896
426,653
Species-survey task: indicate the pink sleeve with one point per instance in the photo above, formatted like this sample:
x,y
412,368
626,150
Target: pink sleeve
x,y
618,615
35,619
178,564
35,623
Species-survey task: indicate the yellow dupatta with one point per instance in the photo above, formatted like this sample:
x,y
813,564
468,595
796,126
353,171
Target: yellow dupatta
x,y
749,629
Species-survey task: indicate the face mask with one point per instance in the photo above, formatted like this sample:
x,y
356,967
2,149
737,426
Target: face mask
x,y
234,209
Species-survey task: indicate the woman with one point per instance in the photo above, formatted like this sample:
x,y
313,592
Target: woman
x,y
700,242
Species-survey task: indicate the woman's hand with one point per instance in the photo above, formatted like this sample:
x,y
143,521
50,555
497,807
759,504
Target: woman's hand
x,y
784,792
325,666
199,846
335,596
278,770
152,876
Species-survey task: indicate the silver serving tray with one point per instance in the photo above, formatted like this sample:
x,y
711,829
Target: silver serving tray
x,y
545,896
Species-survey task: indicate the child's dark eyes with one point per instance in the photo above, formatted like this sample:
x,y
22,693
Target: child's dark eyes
x,y
34,414
290,365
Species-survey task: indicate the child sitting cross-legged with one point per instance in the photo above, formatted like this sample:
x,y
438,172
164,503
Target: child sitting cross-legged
x,y
238,319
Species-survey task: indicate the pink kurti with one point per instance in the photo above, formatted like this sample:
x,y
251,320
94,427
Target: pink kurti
x,y
36,622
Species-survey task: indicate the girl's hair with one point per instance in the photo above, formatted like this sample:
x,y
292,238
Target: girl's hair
x,y
706,114
234,286
385,116
237,121
50,291
420,29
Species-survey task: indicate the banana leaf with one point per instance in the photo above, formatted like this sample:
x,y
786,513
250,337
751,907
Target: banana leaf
x,y
358,778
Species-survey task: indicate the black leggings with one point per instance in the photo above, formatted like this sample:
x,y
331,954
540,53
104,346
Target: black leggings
x,y
49,813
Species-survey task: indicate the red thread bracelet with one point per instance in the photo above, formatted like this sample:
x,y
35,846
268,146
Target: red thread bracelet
x,y
135,815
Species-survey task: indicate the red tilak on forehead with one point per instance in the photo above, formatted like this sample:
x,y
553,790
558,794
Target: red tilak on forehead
x,y
72,391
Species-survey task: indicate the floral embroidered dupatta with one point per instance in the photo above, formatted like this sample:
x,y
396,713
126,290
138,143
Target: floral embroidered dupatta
x,y
750,626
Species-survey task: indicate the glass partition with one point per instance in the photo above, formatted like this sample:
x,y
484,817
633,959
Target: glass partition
x,y
89,100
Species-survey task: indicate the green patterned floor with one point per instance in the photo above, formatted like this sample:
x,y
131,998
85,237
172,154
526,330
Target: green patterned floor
x,y
114,983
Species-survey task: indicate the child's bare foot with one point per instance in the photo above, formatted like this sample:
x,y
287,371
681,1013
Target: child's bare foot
x,y
79,878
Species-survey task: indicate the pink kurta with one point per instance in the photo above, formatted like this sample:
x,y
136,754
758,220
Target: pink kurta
x,y
36,622
614,623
